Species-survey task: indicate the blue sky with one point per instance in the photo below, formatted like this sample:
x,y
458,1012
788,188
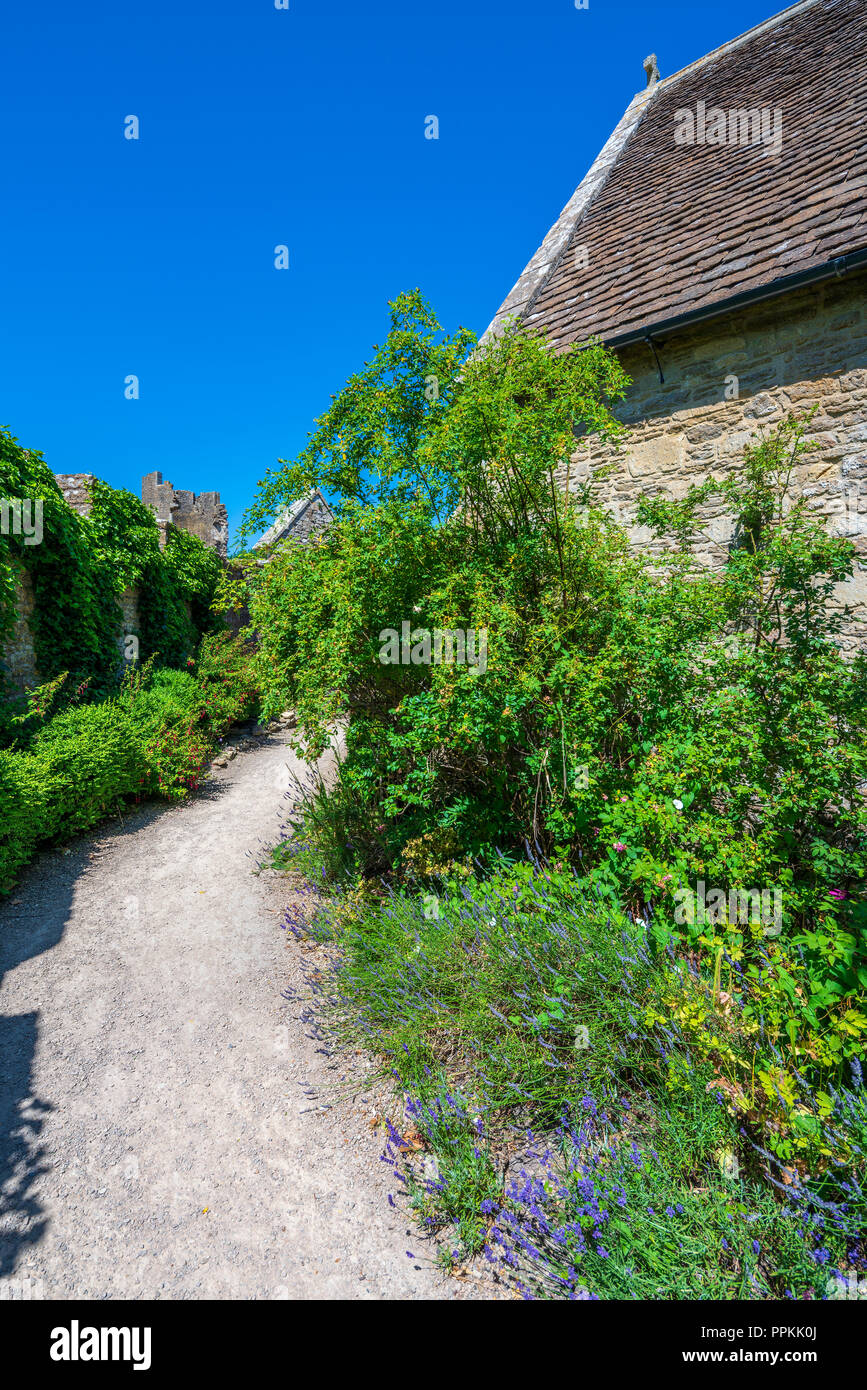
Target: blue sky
x,y
262,127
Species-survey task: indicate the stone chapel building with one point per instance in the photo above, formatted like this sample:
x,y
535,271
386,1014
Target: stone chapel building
x,y
719,245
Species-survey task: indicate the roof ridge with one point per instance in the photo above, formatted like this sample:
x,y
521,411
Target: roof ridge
x,y
554,284
542,266
736,42
560,236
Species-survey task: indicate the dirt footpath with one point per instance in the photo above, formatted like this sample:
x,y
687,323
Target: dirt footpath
x,y
158,1135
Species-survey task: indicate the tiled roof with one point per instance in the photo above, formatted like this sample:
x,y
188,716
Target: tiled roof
x,y
660,228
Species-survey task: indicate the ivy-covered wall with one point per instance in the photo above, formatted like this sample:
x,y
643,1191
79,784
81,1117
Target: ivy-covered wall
x,y
77,583
18,656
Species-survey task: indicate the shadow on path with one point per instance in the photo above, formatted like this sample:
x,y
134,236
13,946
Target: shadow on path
x,y
33,919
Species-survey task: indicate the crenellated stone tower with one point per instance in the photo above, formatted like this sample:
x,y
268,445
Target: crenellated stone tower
x,y
203,515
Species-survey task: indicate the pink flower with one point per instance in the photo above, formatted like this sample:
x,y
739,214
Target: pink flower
x,y
837,893
619,846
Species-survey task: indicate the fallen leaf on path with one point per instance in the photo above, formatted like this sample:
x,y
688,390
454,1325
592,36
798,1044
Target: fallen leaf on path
x,y
411,1141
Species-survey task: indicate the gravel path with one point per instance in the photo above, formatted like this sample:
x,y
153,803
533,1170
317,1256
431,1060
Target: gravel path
x,y
156,1135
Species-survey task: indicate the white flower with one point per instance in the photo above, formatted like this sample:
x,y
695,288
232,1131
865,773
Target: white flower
x,y
678,805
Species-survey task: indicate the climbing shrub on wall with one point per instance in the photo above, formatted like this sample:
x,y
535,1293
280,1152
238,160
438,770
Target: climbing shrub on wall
x,y
175,585
7,592
124,533
81,566
10,482
75,623
163,621
196,572
175,597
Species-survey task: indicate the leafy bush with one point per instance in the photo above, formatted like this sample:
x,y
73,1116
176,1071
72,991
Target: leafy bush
x,y
154,736
653,726
654,722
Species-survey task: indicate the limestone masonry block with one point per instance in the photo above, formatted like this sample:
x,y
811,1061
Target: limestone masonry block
x,y
792,354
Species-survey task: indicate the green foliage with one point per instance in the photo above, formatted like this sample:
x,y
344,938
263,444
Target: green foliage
x,y
647,723
660,722
123,533
675,1226
66,772
516,1006
368,446
520,963
83,564
66,783
195,571
193,712
176,586
75,622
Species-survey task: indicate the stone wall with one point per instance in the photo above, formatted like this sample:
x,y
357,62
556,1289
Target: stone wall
x,y
306,517
129,618
19,657
76,489
804,348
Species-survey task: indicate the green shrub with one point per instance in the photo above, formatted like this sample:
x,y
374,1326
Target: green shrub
x,y
646,723
154,737
655,723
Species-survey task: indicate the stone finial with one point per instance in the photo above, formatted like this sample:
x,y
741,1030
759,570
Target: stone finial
x,y
651,67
